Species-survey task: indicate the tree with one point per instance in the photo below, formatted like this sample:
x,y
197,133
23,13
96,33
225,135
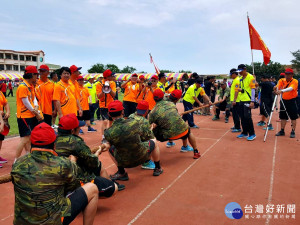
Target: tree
x,y
142,72
185,71
166,71
273,69
128,69
113,68
97,68
296,62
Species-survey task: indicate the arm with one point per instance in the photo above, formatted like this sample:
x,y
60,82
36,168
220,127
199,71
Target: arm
x,y
85,156
1,122
197,100
31,109
125,84
58,108
207,99
7,110
79,107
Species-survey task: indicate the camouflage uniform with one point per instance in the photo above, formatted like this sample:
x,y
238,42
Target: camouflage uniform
x,y
40,180
169,122
145,125
88,163
225,92
127,137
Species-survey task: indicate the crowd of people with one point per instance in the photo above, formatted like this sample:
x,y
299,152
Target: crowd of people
x,y
60,176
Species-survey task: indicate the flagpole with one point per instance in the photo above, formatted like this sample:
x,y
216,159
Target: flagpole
x,y
251,48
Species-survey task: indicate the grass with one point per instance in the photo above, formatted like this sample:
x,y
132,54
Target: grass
x,y
13,110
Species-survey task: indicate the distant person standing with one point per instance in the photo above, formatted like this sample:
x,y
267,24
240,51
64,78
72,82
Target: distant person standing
x,y
3,87
235,100
54,77
4,115
10,88
91,86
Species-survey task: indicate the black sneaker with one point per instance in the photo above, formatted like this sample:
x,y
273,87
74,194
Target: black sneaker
x,y
292,134
280,133
226,120
118,176
157,172
121,187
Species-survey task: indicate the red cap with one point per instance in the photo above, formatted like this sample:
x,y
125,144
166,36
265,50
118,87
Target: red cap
x,y
158,94
42,134
282,74
44,68
154,77
74,68
5,130
141,77
176,94
115,106
170,78
289,70
80,77
134,75
143,105
31,69
107,73
68,122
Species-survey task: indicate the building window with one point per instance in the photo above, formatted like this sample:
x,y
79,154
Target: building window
x,y
34,58
1,56
16,68
15,57
8,56
8,67
1,67
22,57
22,68
28,58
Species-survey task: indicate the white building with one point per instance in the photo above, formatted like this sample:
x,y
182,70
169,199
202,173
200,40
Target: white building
x,y
15,61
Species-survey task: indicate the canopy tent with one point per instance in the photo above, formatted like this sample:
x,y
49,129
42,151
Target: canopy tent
x,y
10,76
126,76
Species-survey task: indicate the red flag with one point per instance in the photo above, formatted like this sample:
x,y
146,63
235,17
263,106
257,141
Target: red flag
x,y
257,43
156,68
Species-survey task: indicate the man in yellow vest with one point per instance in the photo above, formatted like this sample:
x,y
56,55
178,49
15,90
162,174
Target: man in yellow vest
x,y
235,99
247,98
93,103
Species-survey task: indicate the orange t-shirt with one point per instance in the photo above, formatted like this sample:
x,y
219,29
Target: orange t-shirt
x,y
3,101
107,98
63,94
25,90
149,98
84,97
283,84
131,92
140,95
44,93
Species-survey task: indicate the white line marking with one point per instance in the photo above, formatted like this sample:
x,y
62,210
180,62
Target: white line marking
x,y
272,177
7,217
110,166
170,185
206,138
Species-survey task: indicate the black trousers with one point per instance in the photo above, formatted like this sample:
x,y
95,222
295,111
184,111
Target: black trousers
x,y
10,93
93,108
235,116
246,118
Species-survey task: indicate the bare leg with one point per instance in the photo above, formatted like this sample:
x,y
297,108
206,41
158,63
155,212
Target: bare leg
x,y
293,125
23,142
192,141
88,123
185,142
90,210
155,153
263,118
103,172
214,109
283,123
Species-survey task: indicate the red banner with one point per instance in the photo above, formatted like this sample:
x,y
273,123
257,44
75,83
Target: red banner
x,y
257,43
156,68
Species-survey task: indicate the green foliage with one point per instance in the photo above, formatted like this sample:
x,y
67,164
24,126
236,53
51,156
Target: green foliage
x,y
100,68
97,68
272,69
296,62
128,69
142,72
185,71
166,71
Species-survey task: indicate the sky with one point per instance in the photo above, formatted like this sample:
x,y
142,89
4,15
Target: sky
x,y
207,37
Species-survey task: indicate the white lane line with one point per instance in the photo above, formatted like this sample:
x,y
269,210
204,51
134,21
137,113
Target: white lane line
x,y
272,177
109,166
206,138
7,217
174,181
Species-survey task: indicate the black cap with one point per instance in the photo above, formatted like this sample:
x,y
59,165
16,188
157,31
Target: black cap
x,y
241,67
232,71
161,75
199,81
195,75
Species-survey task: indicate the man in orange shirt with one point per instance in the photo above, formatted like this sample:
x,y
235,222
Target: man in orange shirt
x,y
27,114
106,92
288,87
132,89
64,99
44,90
148,91
84,98
74,86
142,84
3,105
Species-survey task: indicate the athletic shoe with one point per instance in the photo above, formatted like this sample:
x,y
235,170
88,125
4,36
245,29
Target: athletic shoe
x,y
81,132
242,136
280,133
236,130
170,144
232,128
269,127
2,160
195,126
54,126
93,123
261,123
121,187
251,138
186,149
118,176
197,155
90,129
157,172
292,134
148,165
215,118
226,120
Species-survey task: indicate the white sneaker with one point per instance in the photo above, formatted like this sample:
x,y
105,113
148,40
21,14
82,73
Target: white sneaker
x,y
54,126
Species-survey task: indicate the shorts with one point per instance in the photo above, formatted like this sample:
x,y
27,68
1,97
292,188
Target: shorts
x,y
26,125
291,108
85,115
265,107
129,108
2,137
223,106
105,186
104,114
79,201
48,119
184,135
